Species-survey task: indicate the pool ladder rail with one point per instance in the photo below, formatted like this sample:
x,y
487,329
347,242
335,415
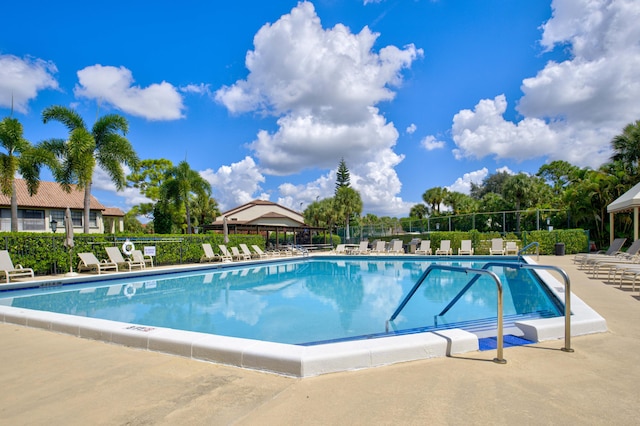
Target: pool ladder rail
x,y
500,317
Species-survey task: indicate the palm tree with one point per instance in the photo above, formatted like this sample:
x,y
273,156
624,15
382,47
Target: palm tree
x,y
517,189
349,202
434,197
27,163
105,146
180,183
626,147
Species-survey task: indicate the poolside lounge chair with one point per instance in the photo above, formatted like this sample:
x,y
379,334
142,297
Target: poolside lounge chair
x,y
115,256
616,257
465,247
396,247
497,246
615,247
226,256
247,252
380,247
445,248
9,270
209,255
340,249
425,247
89,262
137,256
511,247
363,248
259,252
235,252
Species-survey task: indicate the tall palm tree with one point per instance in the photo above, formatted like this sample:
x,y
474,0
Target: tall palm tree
x,y
105,145
349,202
180,183
626,147
21,157
517,189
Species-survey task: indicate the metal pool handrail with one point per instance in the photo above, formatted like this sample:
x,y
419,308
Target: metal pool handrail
x,y
528,246
499,358
567,294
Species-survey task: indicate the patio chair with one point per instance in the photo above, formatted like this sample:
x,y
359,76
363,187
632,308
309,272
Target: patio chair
x,y
363,248
137,256
465,248
9,270
115,256
259,252
396,247
247,252
445,248
235,252
425,248
89,262
209,255
380,248
497,246
226,256
614,249
511,247
340,249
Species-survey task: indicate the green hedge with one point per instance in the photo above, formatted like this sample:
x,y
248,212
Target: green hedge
x,y
45,253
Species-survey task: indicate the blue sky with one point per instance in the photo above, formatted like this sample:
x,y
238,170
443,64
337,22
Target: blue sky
x,y
265,98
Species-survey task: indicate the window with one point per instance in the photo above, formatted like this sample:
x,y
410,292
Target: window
x,y
58,216
32,220
76,218
93,219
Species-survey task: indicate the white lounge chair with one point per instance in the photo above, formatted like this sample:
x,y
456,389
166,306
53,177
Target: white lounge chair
x,y
445,248
497,246
235,252
380,248
9,270
511,247
614,249
465,248
396,247
89,262
247,252
259,252
363,248
340,249
226,256
115,256
209,255
425,248
137,256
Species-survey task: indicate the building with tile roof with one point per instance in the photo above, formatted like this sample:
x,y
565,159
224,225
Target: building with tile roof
x,y
36,213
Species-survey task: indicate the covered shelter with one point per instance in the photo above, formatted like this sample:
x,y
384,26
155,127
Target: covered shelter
x,y
262,217
629,201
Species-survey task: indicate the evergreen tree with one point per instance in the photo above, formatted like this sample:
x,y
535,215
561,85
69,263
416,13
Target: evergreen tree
x,y
342,176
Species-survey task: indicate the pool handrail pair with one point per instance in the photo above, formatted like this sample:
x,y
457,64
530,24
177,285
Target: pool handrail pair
x,y
478,272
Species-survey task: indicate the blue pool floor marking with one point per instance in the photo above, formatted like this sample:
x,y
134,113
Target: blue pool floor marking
x,y
490,343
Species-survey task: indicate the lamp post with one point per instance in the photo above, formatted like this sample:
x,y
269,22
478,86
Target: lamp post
x,y
54,225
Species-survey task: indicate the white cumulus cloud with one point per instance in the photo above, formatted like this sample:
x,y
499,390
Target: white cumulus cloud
x,y
22,78
571,109
463,184
115,86
323,85
430,143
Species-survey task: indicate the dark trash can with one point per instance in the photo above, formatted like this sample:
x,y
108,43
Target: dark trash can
x,y
559,249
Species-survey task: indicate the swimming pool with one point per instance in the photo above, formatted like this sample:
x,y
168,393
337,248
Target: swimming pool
x,y
273,316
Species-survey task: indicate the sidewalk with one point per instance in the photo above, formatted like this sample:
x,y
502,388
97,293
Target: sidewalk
x,y
51,378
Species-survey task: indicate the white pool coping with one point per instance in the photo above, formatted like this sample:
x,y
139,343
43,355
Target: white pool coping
x,y
303,361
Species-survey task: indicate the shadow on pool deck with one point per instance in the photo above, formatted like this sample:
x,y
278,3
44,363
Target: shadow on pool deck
x,y
51,378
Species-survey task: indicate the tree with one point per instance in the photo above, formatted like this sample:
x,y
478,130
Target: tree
x,y
181,182
342,176
626,148
12,140
204,210
434,197
105,145
516,190
349,202
418,211
492,183
148,176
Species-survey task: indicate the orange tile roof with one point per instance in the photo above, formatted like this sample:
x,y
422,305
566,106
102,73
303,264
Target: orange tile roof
x,y
50,195
112,211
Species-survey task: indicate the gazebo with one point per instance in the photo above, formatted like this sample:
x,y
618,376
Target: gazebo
x,y
629,201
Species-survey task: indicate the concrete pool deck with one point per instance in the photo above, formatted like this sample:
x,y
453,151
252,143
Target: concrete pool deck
x,y
59,379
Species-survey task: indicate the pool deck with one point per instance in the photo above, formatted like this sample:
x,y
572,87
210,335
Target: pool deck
x,y
51,378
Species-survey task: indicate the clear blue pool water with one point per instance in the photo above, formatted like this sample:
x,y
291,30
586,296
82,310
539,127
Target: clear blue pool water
x,y
302,301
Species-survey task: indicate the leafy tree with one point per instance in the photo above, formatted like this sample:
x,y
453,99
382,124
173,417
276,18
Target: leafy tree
x,y
434,197
626,148
342,176
418,211
162,218
348,201
492,183
204,210
148,176
181,183
132,224
105,145
516,190
21,157
559,174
